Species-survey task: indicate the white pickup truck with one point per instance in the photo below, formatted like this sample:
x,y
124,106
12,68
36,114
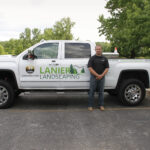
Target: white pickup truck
x,y
62,66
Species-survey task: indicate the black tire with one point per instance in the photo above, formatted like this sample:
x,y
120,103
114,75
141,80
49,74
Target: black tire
x,y
6,94
131,92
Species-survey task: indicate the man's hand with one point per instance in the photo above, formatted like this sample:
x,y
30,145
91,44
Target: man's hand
x,y
99,77
93,72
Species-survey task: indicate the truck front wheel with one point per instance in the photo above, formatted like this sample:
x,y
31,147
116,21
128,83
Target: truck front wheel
x,y
131,92
6,94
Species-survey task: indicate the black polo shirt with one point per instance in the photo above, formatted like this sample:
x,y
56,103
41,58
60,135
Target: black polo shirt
x,y
98,63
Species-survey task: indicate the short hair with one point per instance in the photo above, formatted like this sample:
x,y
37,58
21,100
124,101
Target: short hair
x,y
98,46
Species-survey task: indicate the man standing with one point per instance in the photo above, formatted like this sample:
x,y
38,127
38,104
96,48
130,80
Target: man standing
x,y
98,66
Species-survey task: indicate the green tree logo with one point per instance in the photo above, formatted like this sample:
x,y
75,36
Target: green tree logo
x,y
82,71
73,70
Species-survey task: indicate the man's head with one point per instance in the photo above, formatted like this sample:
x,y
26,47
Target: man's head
x,y
98,50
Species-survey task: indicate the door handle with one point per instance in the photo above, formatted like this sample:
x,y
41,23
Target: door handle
x,y
54,64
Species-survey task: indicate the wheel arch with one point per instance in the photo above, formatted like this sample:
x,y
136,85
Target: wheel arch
x,y
141,75
9,76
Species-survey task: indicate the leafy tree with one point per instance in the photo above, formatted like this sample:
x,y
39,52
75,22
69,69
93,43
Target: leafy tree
x,y
106,47
18,47
37,36
48,34
26,38
62,29
10,46
128,26
2,52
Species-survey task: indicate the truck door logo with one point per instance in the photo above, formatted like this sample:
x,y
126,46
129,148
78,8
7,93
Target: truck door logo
x,y
70,72
30,69
75,69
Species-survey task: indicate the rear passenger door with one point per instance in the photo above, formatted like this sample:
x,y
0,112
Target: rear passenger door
x,y
75,56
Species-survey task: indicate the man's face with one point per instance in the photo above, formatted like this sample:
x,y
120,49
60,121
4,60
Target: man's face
x,y
98,50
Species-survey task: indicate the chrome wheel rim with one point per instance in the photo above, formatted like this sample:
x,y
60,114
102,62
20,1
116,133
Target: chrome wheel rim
x,y
133,93
3,95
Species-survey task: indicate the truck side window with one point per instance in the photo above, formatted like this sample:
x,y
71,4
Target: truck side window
x,y
46,51
77,50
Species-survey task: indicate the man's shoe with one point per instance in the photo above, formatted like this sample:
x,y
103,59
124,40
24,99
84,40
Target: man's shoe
x,y
102,108
90,108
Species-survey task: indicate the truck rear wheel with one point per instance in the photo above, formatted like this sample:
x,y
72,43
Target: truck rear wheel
x,y
6,94
131,92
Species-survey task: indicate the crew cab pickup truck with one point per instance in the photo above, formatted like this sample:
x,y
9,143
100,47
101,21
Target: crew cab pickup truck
x,y
62,66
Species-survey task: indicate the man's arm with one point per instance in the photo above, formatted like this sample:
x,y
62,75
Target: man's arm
x,y
98,76
103,74
93,72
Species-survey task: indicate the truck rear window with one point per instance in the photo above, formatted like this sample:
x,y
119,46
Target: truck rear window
x,y
77,50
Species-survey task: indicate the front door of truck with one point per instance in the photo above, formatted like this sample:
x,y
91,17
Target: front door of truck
x,y
41,72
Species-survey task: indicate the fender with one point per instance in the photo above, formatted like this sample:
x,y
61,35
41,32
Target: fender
x,y
134,73
3,71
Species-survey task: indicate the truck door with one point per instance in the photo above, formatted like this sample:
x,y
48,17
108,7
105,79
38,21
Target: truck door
x,y
40,73
75,58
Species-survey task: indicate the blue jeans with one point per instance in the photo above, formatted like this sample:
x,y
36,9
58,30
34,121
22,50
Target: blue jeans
x,y
99,86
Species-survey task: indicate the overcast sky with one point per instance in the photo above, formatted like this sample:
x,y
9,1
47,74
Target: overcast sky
x,y
16,15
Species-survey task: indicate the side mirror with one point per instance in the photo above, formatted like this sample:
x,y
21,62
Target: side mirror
x,y
30,55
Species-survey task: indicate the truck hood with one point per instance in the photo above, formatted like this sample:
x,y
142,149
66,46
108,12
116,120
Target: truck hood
x,y
6,58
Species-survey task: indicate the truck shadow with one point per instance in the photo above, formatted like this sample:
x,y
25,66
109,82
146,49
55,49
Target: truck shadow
x,y
67,101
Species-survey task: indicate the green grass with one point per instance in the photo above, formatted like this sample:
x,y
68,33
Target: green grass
x,y
146,57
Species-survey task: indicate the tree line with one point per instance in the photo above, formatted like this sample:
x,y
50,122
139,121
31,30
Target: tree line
x,y
61,30
127,28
